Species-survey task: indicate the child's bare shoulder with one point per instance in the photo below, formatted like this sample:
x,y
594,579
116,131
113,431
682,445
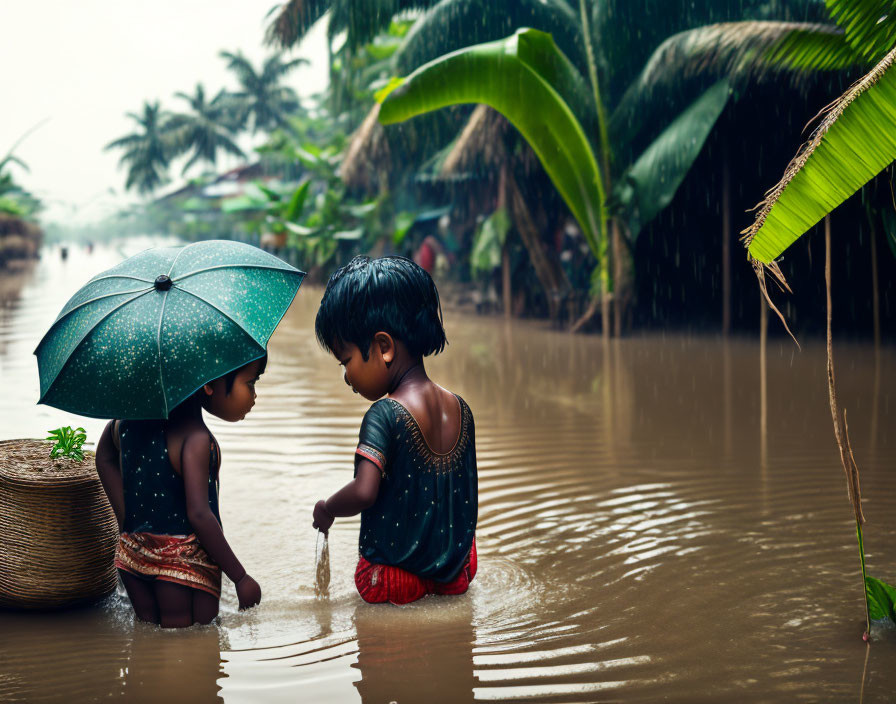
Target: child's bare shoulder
x,y
189,438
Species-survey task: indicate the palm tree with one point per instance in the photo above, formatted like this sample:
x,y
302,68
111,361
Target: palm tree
x,y
207,130
361,21
148,151
264,101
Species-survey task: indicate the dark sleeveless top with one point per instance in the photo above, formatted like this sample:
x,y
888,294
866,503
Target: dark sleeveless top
x,y
154,496
424,517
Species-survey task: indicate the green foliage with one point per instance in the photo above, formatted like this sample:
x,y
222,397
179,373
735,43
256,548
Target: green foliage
x,y
360,21
11,206
823,49
488,241
650,183
851,146
455,24
208,129
881,600
147,151
262,101
67,443
880,597
512,75
403,223
869,25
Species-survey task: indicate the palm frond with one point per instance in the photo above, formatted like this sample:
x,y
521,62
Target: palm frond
x,y
870,25
240,65
854,142
455,24
275,67
126,141
737,51
292,21
811,50
12,159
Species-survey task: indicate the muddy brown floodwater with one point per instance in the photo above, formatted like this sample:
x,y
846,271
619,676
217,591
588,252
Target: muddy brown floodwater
x,y
638,539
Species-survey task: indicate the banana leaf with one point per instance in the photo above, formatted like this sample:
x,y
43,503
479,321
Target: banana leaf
x,y
651,182
855,141
487,244
512,76
297,203
816,48
880,597
453,24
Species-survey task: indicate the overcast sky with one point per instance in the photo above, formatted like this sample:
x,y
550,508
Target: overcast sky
x,y
82,64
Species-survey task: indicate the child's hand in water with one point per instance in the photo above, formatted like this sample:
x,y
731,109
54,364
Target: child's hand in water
x,y
323,519
248,592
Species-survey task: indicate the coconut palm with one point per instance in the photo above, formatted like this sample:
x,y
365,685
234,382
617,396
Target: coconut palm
x,y
360,21
208,129
263,101
148,151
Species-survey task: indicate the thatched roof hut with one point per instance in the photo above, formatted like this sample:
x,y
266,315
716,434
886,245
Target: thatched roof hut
x,y
368,158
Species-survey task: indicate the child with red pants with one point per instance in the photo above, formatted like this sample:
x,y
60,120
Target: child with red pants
x,y
415,480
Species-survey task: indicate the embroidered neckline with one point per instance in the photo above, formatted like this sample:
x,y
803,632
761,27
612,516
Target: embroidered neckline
x,y
423,447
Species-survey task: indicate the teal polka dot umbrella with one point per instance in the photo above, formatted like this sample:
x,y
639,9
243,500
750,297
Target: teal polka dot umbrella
x,y
140,338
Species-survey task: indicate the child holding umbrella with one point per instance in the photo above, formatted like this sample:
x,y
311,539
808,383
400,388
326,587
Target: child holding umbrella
x,y
152,343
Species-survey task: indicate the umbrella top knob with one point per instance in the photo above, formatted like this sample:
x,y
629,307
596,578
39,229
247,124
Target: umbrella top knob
x,y
162,283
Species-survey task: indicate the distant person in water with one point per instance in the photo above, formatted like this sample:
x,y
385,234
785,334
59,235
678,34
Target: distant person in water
x,y
161,477
415,480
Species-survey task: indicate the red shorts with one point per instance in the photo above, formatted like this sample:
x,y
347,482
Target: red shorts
x,y
379,583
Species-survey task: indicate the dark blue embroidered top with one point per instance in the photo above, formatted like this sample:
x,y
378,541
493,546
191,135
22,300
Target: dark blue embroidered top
x,y
154,497
424,517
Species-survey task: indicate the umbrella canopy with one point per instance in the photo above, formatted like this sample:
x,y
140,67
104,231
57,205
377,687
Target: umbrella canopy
x,y
141,337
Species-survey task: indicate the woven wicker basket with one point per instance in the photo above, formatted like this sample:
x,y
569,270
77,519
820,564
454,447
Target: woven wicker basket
x,y
57,530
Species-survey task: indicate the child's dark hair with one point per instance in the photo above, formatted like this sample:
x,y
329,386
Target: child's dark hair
x,y
230,376
389,294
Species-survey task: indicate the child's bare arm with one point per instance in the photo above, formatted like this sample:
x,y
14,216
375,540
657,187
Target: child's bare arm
x,y
350,500
194,470
109,471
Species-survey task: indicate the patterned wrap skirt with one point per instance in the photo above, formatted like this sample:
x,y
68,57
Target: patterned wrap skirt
x,y
381,583
171,558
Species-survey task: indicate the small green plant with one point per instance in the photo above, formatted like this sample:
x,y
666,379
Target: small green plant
x,y
67,442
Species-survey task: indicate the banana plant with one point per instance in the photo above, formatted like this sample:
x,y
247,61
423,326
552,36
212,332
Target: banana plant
x,y
856,138
527,68
854,142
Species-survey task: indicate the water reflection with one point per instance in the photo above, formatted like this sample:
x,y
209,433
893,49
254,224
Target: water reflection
x,y
416,654
105,654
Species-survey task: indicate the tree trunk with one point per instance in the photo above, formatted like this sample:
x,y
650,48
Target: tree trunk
x,y
501,202
622,279
726,249
552,278
506,292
